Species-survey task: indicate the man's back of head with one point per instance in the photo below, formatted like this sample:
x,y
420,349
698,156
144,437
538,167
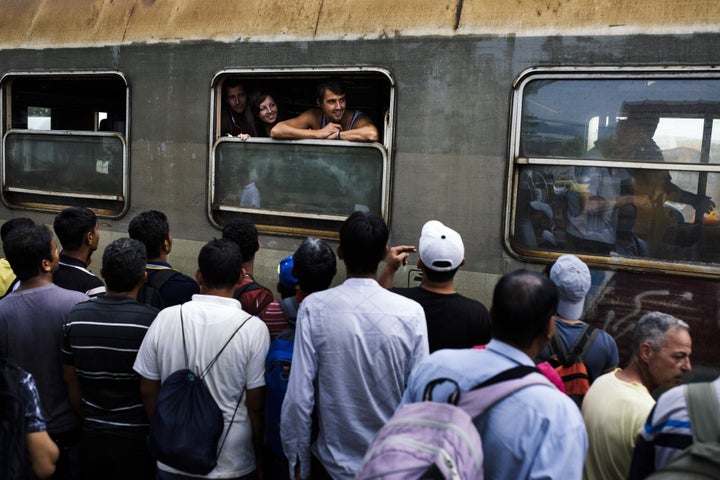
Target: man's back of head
x,y
123,265
572,277
245,234
441,251
26,248
363,243
314,265
220,264
12,224
72,225
152,229
523,304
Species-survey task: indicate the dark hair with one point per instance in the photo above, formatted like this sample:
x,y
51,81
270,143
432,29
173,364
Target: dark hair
x,y
72,224
257,98
335,86
220,263
245,235
439,277
26,248
152,229
314,265
363,240
123,264
12,224
232,83
523,304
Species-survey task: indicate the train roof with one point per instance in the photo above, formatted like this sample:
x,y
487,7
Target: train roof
x,y
72,23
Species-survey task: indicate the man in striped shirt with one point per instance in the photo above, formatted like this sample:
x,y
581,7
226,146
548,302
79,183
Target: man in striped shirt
x,y
101,340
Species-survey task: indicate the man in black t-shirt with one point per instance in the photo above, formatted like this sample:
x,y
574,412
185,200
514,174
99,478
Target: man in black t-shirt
x,y
77,230
453,321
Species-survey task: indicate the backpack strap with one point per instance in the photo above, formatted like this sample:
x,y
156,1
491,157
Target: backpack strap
x,y
703,411
490,392
210,365
248,287
160,277
578,349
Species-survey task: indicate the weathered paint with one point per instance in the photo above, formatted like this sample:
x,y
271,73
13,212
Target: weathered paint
x,y
49,23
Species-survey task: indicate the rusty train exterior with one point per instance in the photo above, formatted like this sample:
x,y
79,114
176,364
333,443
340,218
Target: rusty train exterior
x,y
495,119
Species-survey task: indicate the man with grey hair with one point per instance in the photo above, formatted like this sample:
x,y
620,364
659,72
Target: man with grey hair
x,y
618,403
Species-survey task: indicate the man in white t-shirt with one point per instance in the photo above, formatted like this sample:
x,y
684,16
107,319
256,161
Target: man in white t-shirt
x,y
208,321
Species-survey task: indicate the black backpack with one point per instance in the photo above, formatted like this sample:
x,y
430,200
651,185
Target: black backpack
x,y
150,291
187,423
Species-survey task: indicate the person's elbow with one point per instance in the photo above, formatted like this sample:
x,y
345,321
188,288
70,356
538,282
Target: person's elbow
x,y
44,453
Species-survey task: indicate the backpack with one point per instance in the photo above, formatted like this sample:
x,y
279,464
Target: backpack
x,y
150,291
14,463
277,375
570,366
701,460
430,440
187,423
253,303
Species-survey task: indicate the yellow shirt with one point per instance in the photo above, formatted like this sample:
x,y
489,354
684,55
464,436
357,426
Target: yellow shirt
x,y
7,276
614,412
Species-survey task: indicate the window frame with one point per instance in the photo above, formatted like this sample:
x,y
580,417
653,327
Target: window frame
x,y
283,222
516,163
36,198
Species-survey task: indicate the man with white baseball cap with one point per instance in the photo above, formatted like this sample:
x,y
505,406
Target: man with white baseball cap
x,y
572,278
453,321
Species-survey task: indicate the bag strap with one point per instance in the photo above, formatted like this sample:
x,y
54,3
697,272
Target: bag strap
x,y
487,394
703,411
210,365
584,342
160,277
212,362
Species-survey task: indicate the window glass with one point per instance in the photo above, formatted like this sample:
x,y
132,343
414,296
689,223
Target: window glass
x,y
302,185
618,167
62,124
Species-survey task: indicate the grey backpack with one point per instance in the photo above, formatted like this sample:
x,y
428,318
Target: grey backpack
x,y
430,440
701,460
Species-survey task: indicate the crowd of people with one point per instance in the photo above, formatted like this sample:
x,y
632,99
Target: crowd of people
x,y
84,360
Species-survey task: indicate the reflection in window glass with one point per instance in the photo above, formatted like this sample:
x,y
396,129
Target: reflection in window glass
x,y
302,179
593,183
616,211
599,118
39,118
51,163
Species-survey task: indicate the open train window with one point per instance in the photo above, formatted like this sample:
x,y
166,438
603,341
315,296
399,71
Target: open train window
x,y
65,141
621,166
298,186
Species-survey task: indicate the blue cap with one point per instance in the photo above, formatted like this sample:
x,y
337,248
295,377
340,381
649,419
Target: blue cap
x,y
285,273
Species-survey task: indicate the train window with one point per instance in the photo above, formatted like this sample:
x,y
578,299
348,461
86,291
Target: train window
x,y
298,186
56,125
622,167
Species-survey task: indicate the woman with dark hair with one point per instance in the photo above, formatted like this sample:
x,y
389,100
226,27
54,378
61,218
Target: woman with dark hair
x,y
265,111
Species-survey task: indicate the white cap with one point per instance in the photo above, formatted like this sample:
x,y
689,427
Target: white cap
x,y
573,281
441,248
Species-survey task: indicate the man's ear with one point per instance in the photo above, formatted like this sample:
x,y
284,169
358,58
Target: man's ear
x,y
198,277
339,252
646,352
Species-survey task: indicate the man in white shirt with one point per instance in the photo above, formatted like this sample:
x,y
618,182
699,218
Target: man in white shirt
x,y
208,321
355,346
